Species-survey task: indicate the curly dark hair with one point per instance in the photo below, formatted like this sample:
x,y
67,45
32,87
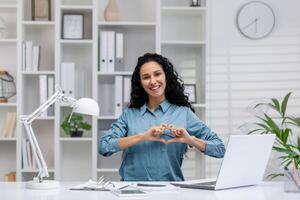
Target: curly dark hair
x,y
174,91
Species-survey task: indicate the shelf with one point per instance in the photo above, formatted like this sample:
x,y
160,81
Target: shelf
x,y
46,118
8,40
183,43
108,117
81,41
114,73
39,23
183,8
7,6
128,23
35,170
8,105
69,139
107,170
76,7
39,73
7,139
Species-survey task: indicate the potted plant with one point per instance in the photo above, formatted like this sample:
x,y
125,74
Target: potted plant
x,y
75,126
286,143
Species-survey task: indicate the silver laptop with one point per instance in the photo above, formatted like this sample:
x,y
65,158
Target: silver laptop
x,y
244,163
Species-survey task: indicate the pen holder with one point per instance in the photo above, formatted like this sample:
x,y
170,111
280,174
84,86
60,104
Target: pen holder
x,y
292,180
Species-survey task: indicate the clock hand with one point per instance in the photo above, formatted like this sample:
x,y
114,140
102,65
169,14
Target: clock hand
x,y
256,25
252,22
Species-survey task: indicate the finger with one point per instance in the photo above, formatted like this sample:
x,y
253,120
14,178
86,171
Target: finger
x,y
164,125
172,140
160,140
171,126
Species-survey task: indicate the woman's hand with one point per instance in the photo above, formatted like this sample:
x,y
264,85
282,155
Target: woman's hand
x,y
153,134
181,135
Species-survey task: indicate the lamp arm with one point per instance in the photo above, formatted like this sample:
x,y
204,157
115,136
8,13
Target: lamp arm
x,y
27,120
55,97
36,151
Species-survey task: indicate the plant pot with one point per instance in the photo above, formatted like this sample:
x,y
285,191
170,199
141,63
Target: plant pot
x,y
76,133
292,180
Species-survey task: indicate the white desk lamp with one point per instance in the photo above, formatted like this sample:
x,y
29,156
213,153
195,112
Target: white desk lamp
x,y
84,106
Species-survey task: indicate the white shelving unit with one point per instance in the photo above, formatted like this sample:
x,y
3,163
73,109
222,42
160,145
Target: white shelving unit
x,y
8,61
169,27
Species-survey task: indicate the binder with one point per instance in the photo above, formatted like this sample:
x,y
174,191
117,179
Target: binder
x,y
127,89
28,47
119,61
110,51
67,78
23,56
50,110
43,92
118,95
35,58
103,52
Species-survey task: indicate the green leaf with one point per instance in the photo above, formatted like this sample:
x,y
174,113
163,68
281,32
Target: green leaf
x,y
284,103
259,104
272,176
265,127
275,105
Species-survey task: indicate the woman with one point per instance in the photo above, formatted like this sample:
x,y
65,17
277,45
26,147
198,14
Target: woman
x,y
158,125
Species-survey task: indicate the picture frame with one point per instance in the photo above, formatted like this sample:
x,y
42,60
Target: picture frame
x,y
41,10
190,91
73,26
195,3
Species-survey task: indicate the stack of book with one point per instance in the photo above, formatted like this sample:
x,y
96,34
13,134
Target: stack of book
x,y
9,126
30,56
10,177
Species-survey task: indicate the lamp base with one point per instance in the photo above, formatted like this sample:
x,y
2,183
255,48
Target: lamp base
x,y
44,185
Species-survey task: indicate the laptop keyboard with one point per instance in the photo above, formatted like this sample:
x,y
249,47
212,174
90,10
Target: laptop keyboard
x,y
207,183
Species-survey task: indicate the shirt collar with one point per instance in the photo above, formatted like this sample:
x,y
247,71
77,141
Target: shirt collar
x,y
163,105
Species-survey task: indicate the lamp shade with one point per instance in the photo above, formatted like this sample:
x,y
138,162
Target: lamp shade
x,y
86,106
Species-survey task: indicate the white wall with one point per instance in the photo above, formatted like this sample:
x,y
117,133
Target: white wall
x,y
242,72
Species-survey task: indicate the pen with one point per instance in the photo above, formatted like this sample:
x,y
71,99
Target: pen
x,y
125,186
150,185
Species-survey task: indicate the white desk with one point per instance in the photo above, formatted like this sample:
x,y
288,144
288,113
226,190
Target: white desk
x,y
265,191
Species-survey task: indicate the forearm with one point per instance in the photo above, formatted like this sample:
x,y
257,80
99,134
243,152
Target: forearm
x,y
129,141
197,143
213,148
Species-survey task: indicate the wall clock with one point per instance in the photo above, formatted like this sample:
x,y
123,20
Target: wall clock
x,y
255,20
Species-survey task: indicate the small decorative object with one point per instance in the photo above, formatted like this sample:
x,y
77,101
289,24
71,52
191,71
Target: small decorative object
x,y
2,28
195,3
74,125
282,125
7,86
255,20
112,11
73,26
41,10
190,90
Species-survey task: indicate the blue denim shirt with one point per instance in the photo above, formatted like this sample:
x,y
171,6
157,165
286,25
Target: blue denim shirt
x,y
151,160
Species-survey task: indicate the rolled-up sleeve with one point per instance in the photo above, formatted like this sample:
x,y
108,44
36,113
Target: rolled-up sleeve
x,y
109,142
214,145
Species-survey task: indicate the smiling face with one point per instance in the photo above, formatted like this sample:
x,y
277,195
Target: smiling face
x,y
153,80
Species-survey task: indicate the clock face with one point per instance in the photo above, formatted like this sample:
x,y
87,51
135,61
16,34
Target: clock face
x,y
255,20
